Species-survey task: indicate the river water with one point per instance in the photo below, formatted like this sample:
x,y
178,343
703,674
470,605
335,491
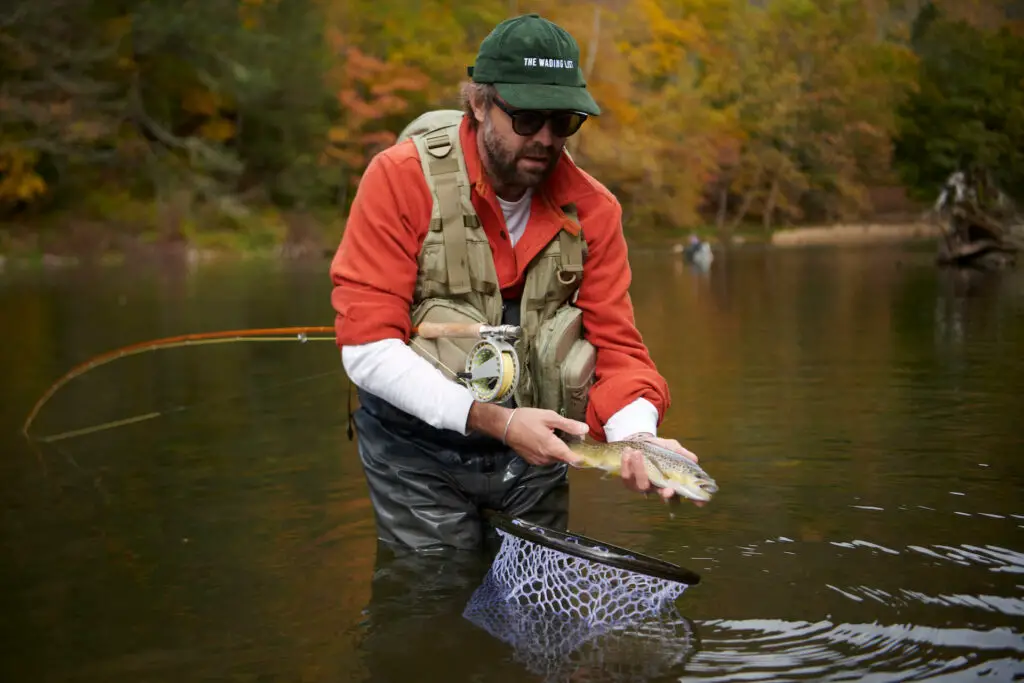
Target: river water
x,y
860,409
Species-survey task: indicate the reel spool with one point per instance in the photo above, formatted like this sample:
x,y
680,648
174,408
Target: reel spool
x,y
492,370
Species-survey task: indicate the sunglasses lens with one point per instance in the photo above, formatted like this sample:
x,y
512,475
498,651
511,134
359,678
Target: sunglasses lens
x,y
565,124
527,123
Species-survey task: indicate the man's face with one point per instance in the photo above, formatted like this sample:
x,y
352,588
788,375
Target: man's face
x,y
516,160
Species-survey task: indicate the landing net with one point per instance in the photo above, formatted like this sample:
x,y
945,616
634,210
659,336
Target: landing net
x,y
564,600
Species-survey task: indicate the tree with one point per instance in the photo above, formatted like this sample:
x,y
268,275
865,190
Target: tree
x,y
968,110
814,88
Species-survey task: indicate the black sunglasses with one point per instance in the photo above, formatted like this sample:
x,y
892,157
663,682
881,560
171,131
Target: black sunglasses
x,y
527,122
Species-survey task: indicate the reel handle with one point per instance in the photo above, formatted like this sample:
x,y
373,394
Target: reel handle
x,y
430,330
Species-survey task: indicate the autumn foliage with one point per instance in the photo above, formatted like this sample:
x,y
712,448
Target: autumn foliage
x,y
723,112
369,90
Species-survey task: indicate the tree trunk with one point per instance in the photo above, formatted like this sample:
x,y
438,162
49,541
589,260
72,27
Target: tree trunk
x,y
575,144
342,197
748,199
769,209
723,206
594,42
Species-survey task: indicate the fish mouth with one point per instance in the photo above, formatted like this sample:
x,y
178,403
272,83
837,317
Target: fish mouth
x,y
691,492
699,495
700,491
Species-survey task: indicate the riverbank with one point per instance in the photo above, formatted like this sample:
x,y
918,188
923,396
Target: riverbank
x,y
841,235
305,235
137,231
135,250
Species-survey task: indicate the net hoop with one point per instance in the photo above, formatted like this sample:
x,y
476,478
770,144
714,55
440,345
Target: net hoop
x,y
592,550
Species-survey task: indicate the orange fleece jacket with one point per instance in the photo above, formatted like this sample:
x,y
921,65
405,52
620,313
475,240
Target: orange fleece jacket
x,y
374,269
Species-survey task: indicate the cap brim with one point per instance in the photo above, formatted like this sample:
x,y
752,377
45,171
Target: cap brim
x,y
544,96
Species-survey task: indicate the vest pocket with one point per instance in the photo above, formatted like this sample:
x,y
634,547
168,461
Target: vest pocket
x,y
577,377
432,278
482,276
447,355
560,341
546,286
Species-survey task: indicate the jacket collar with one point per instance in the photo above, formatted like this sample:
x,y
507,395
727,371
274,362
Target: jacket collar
x,y
566,184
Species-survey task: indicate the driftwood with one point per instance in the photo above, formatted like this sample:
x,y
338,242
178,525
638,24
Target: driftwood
x,y
973,236
980,253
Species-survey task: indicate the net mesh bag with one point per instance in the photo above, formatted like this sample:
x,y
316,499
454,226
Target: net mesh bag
x,y
567,603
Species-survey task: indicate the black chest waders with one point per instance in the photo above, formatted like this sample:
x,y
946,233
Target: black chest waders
x,y
429,487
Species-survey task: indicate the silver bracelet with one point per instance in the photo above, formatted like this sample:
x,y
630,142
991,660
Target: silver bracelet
x,y
510,416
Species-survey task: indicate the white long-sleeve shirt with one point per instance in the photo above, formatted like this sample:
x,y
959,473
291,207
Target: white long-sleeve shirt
x,y
390,369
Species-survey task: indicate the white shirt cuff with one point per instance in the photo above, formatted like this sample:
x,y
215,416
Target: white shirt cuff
x,y
639,416
391,370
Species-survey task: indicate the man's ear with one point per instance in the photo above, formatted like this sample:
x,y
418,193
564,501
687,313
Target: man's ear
x,y
479,112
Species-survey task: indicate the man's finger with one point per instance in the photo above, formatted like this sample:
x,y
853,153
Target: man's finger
x,y
571,458
544,460
674,445
564,453
633,469
626,468
574,427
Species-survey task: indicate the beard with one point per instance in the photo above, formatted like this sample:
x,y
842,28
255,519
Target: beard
x,y
504,162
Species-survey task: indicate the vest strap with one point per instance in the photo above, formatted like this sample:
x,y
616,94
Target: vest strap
x,y
444,179
456,253
571,248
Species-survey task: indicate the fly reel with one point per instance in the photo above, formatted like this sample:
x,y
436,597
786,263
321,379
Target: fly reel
x,y
492,368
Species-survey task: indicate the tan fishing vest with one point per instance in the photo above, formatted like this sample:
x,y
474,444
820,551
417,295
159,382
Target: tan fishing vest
x,y
457,282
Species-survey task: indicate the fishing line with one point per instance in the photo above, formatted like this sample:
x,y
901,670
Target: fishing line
x,y
301,334
113,424
437,360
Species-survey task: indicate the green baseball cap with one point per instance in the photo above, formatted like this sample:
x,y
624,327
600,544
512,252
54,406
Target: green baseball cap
x,y
534,64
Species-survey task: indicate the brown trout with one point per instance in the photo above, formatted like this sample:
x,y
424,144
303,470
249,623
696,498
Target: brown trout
x,y
665,468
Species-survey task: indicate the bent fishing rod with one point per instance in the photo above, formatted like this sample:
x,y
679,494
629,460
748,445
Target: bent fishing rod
x,y
492,367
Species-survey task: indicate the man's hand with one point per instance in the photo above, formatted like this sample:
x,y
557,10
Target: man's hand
x,y
530,432
634,474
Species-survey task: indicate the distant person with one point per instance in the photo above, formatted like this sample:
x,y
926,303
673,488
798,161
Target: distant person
x,y
698,252
521,236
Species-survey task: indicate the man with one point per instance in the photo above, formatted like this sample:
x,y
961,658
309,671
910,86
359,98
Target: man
x,y
489,220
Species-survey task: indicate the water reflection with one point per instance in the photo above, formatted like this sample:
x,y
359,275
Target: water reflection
x,y
860,409
446,607
558,645
776,650
414,616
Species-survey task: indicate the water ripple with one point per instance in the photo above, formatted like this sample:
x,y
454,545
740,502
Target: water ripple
x,y
995,558
992,603
767,649
1001,604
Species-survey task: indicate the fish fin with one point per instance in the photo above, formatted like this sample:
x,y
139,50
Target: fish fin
x,y
655,474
